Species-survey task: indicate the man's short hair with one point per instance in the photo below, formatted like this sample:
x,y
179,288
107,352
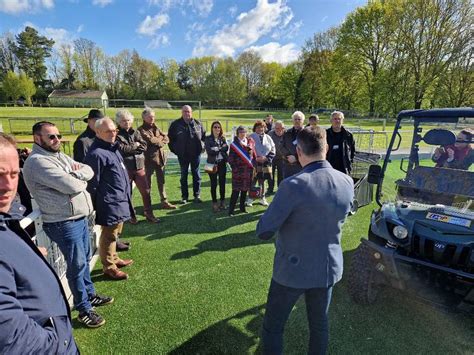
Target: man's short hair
x,y
280,122
7,141
100,122
313,117
338,113
312,140
468,132
123,114
38,126
147,111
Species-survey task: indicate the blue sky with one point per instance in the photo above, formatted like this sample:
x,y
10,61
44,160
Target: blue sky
x,y
181,29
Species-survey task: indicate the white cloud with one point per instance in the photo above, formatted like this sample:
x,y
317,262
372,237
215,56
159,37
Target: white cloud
x,y
233,10
202,7
324,19
150,25
80,28
287,32
101,3
22,6
193,31
274,52
161,40
248,29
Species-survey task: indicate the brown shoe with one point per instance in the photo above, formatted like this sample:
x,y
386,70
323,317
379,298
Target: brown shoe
x,y
115,274
152,219
123,246
215,207
124,262
168,206
133,220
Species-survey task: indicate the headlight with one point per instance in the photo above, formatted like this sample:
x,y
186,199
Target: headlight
x,y
400,232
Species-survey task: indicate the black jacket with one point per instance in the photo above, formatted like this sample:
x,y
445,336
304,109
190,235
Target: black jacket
x,y
183,142
220,143
348,148
133,156
82,144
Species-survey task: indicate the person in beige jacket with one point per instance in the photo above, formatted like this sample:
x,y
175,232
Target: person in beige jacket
x,y
155,157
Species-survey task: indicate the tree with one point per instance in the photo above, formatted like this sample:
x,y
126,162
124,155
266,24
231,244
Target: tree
x,y
169,86
88,59
32,50
286,84
250,65
16,86
268,89
8,59
435,34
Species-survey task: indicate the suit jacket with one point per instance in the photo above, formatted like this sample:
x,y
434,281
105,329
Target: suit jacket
x,y
307,214
34,313
109,187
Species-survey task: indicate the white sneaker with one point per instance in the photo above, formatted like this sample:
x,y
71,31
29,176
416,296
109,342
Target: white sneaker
x,y
263,201
248,202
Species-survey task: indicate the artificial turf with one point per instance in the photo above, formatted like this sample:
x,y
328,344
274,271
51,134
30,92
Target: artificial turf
x,y
199,286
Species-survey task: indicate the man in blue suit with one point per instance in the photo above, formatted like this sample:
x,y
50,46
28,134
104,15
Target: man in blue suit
x,y
34,313
306,215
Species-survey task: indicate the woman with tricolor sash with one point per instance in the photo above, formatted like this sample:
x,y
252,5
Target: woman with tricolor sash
x,y
242,160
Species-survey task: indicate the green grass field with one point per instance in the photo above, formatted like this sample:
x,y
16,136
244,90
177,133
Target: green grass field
x,y
199,286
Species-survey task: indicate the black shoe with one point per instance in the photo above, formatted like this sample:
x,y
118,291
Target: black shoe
x,y
91,319
123,246
184,201
197,199
98,300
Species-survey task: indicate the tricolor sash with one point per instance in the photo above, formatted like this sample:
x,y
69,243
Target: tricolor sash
x,y
242,153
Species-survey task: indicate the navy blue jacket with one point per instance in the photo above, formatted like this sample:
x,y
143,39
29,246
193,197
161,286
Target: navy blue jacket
x,y
307,214
34,313
110,187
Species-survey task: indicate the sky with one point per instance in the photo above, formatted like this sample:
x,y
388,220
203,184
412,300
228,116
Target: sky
x,y
181,29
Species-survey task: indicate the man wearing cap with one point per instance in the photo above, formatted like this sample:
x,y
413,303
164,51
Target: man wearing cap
x,y
85,139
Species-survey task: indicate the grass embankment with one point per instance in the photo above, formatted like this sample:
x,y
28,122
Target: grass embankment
x,y
199,286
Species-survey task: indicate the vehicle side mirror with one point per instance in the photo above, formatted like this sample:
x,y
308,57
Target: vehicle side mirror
x,y
375,174
439,136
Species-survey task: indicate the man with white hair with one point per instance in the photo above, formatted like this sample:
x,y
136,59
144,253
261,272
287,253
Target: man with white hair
x,y
291,164
110,192
155,156
277,134
341,144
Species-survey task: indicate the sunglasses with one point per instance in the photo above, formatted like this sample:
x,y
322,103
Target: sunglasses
x,y
53,136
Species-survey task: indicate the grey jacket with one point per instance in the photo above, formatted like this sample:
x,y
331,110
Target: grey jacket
x,y
307,214
59,191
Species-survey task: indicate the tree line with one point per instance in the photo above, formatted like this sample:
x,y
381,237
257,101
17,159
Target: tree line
x,y
386,56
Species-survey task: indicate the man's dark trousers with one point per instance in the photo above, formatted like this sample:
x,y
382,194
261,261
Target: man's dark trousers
x,y
184,164
281,300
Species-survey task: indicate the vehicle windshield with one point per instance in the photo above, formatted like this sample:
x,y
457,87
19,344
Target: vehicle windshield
x,y
434,166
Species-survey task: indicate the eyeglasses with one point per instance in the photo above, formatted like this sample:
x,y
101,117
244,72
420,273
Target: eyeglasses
x,y
53,136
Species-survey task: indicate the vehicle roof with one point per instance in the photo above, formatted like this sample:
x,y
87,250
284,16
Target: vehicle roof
x,y
438,113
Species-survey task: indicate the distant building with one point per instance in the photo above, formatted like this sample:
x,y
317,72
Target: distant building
x,y
79,98
158,104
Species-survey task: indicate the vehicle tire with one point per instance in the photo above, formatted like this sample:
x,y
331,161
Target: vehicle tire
x,y
363,287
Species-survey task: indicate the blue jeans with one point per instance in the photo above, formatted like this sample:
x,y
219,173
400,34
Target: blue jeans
x,y
72,238
184,163
281,300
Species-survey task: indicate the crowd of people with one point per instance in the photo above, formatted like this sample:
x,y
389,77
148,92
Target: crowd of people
x,y
310,166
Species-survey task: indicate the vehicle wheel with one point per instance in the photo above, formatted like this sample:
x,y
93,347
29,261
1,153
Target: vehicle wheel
x,y
363,287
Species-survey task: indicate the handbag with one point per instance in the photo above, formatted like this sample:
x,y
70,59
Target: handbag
x,y
210,168
255,192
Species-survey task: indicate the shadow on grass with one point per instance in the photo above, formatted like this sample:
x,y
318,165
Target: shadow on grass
x,y
191,219
223,337
396,323
224,242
